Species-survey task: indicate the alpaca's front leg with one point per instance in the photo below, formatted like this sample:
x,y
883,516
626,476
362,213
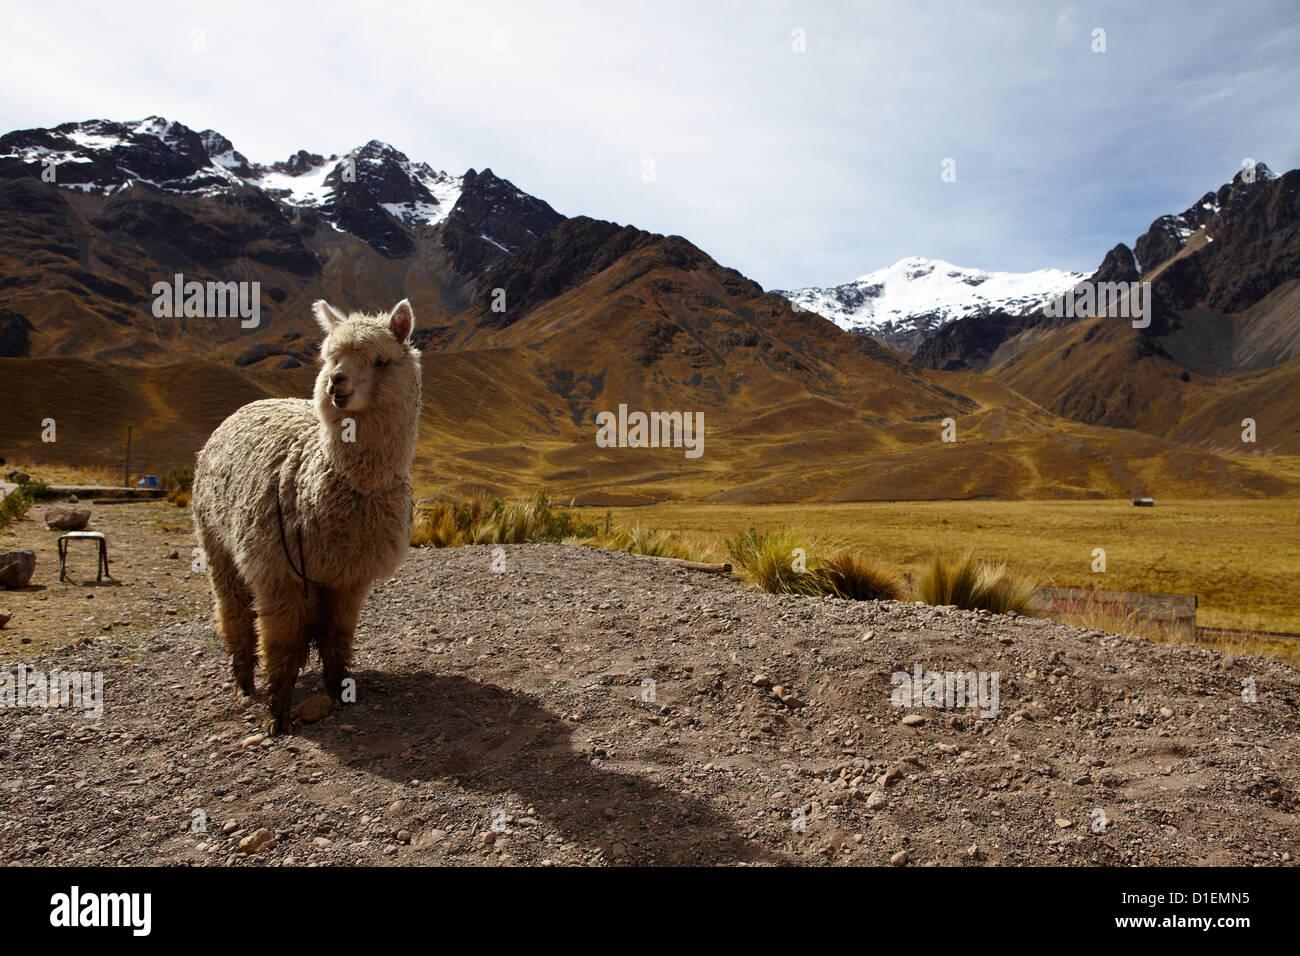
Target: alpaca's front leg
x,y
340,610
282,643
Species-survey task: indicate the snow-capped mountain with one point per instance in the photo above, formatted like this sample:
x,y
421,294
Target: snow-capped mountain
x,y
109,156
902,303
374,191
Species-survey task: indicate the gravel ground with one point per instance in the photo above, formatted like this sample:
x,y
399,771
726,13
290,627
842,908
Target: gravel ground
x,y
507,718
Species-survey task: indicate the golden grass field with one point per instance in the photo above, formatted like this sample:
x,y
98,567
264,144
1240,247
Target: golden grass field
x,y
1241,557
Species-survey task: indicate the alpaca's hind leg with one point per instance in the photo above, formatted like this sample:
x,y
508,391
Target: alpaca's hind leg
x,y
282,644
233,604
340,610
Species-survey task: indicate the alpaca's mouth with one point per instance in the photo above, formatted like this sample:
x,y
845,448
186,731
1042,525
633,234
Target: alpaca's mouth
x,y
340,401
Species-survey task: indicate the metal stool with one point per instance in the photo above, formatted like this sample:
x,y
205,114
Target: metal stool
x,y
98,536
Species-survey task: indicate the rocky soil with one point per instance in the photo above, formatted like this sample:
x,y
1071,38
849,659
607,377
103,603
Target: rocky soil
x,y
588,707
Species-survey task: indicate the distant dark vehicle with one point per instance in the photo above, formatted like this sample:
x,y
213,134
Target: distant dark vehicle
x,y
148,481
1144,502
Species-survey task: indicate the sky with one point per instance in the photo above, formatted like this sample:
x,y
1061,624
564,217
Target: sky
x,y
801,143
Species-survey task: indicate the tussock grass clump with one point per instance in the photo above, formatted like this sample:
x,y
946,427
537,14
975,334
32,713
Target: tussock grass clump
x,y
652,542
14,505
176,485
768,561
38,490
969,583
850,576
784,561
449,524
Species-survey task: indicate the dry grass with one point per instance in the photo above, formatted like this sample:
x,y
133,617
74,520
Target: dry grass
x,y
14,505
853,577
969,583
792,561
67,474
778,561
653,542
1133,624
1240,556
1246,643
449,524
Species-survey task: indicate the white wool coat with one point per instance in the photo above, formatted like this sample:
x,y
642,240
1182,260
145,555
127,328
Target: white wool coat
x,y
351,501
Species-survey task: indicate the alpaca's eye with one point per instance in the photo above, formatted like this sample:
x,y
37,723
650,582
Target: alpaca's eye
x,y
381,363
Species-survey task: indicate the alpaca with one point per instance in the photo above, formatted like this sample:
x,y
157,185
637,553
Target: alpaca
x,y
300,506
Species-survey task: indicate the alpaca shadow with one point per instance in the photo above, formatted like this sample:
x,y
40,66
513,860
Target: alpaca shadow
x,y
90,582
492,740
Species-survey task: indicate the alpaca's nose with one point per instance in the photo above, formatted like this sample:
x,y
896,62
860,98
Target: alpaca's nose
x,y
338,378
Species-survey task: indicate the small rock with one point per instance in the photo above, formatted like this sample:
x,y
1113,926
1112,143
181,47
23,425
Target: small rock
x,y
1166,711
1063,823
429,837
760,680
877,800
252,741
262,839
5,618
16,568
913,720
899,858
314,708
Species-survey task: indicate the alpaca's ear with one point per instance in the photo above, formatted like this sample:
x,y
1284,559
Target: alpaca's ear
x,y
326,315
401,321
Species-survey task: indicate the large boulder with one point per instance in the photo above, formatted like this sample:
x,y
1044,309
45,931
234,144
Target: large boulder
x,y
18,477
66,517
16,568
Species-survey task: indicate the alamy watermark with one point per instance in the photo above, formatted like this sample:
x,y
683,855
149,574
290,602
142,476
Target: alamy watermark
x,y
75,908
1126,300
946,689
78,690
651,430
211,300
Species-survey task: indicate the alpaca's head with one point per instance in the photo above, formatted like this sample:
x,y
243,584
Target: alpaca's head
x,y
367,362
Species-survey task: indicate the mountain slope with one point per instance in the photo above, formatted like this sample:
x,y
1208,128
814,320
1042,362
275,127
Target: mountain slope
x,y
134,204
530,324
1221,346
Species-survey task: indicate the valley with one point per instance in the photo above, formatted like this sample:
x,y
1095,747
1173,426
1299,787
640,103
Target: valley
x,y
993,423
